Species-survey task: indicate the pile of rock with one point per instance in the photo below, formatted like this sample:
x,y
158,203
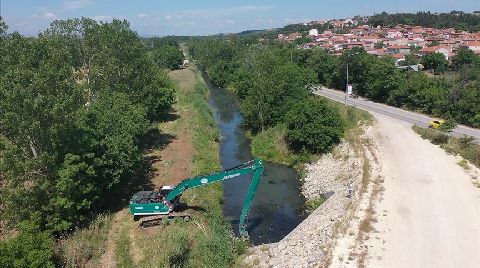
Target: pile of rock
x,y
305,246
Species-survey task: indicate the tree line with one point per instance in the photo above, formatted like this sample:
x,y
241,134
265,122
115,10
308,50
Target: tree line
x,y
272,88
455,19
269,76
75,103
452,95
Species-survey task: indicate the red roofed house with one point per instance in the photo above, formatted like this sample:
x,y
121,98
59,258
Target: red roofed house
x,y
446,51
473,45
396,49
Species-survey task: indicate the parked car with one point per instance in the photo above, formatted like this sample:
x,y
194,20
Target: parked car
x,y
436,124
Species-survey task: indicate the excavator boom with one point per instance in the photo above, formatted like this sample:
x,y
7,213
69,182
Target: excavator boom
x,y
150,203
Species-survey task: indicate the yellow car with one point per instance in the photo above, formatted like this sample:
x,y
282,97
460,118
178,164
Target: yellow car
x,y
436,123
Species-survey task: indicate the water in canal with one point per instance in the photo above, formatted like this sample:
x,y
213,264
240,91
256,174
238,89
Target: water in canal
x,y
278,206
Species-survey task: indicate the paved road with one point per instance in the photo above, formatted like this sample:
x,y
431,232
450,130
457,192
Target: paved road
x,y
407,116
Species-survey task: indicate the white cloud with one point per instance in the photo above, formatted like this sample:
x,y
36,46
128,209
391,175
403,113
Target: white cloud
x,y
252,8
49,15
102,18
168,17
228,10
45,14
76,4
142,15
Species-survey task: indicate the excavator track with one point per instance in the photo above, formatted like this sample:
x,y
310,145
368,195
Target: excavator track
x,y
155,220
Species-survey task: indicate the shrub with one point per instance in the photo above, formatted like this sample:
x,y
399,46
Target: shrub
x,y
29,248
313,126
435,136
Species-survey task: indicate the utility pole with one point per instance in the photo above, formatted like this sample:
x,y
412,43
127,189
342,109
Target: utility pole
x,y
346,86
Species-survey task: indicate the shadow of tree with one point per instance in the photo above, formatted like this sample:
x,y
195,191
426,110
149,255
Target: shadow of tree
x,y
168,117
155,140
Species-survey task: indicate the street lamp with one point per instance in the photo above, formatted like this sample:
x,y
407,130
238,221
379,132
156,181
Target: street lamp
x,y
346,87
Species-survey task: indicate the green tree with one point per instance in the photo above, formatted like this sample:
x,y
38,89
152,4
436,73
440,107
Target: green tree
x,y
169,57
110,56
30,247
435,61
303,40
313,126
379,45
464,57
410,59
74,103
372,77
269,87
39,98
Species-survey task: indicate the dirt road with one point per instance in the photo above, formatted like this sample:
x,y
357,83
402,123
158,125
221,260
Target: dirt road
x,y
430,212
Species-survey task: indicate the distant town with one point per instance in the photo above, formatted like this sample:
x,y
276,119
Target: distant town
x,y
397,41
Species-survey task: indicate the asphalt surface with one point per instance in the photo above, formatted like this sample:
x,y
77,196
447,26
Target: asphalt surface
x,y
406,116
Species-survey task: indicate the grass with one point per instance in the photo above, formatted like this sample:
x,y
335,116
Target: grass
x,y
270,145
313,204
122,250
465,146
464,164
86,245
207,240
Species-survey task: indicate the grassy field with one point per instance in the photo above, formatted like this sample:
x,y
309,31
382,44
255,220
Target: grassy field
x,y
206,241
465,146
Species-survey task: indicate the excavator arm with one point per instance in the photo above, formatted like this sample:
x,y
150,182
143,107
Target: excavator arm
x,y
254,167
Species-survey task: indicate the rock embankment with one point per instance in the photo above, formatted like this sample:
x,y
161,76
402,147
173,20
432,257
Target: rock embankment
x,y
311,243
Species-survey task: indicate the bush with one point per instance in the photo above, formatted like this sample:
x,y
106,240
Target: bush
x,y
168,57
313,126
29,248
435,136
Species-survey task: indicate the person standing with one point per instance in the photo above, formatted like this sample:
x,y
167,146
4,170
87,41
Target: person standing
x,y
350,190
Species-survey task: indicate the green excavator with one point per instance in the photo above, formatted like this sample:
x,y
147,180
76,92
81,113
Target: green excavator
x,y
152,207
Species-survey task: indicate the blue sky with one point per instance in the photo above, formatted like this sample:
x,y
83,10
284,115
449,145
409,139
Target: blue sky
x,y
182,17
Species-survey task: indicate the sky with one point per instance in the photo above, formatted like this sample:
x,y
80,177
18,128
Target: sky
x,y
200,17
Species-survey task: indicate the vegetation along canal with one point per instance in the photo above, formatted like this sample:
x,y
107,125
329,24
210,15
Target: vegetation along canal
x,y
278,206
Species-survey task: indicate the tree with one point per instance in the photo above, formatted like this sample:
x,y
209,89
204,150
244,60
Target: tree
x,y
111,57
30,247
74,104
320,61
379,45
435,61
372,77
169,57
463,57
410,59
269,88
303,40
313,126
